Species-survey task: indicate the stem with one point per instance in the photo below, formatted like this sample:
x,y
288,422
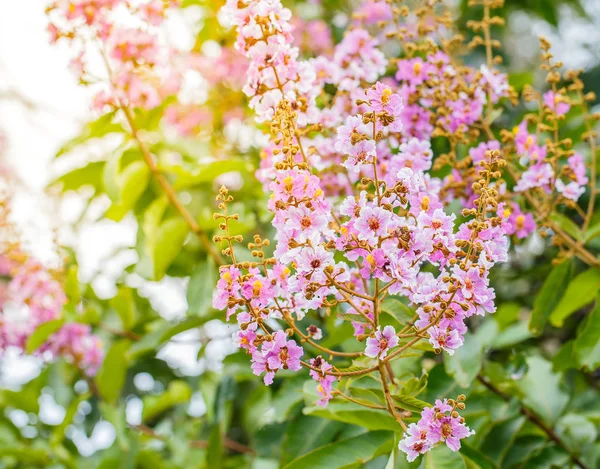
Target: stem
x,y
162,180
535,420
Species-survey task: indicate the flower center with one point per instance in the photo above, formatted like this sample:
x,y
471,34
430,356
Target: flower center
x,y
306,222
374,223
385,96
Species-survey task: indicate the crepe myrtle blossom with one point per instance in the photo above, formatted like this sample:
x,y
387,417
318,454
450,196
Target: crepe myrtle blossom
x,y
571,190
440,423
276,353
324,381
378,346
521,224
556,102
358,211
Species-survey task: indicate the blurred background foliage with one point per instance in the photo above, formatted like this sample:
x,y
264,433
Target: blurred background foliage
x,y
533,399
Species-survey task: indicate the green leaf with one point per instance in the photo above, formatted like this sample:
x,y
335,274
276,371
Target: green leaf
x,y
110,176
587,344
542,390
169,241
500,437
581,291
178,392
111,376
473,454
576,431
88,175
442,457
306,433
507,313
397,309
466,362
551,292
206,173
163,239
42,333
564,358
371,419
72,285
200,288
358,449
124,304
592,232
512,335
132,183
96,129
568,225
410,403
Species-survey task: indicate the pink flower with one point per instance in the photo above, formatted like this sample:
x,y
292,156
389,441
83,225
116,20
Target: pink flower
x,y
522,224
436,424
382,99
556,102
570,191
378,346
539,175
415,442
478,154
414,71
444,339
372,223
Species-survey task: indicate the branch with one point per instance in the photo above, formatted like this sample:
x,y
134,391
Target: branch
x,y
169,191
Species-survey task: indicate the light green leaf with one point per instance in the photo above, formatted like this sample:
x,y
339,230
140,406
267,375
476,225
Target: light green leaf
x,y
592,232
442,457
581,291
410,403
111,376
466,362
587,344
568,225
200,288
96,129
169,241
178,392
132,183
124,304
542,391
88,175
551,292
42,333
512,335
371,419
397,309
358,449
576,431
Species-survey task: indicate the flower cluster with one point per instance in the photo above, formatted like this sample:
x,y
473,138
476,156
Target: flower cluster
x,y
357,213
438,423
30,296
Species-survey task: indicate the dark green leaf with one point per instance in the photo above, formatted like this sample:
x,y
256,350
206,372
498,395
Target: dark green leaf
x,y
587,344
359,449
551,292
581,291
